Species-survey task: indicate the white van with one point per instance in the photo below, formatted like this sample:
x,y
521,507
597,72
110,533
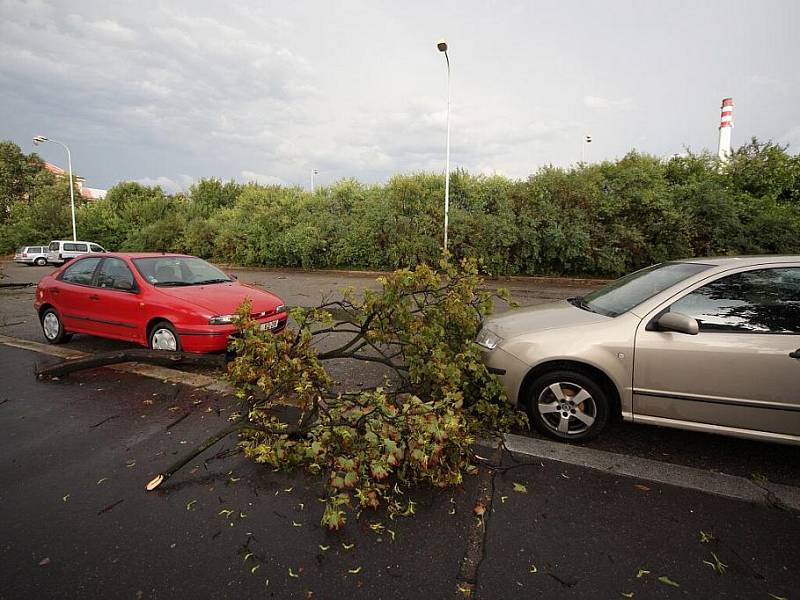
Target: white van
x,y
60,251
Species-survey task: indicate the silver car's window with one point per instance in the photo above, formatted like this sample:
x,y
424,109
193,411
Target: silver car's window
x,y
623,294
760,301
53,246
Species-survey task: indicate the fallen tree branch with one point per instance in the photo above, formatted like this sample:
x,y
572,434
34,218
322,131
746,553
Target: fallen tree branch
x,y
15,285
155,357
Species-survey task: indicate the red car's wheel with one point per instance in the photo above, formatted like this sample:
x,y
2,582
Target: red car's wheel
x,y
53,328
164,337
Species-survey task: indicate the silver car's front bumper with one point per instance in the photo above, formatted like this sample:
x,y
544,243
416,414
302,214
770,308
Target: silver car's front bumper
x,y
509,369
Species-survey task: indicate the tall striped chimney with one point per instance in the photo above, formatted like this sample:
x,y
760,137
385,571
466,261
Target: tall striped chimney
x,y
725,125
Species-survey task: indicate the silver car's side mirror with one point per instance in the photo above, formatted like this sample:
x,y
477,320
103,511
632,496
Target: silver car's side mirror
x,y
674,321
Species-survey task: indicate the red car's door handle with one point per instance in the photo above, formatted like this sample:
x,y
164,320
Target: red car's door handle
x,y
795,354
93,297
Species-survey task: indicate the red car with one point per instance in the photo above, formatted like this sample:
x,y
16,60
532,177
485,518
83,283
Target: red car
x,y
164,301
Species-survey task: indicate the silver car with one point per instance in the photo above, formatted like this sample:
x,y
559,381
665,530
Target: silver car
x,y
31,255
707,344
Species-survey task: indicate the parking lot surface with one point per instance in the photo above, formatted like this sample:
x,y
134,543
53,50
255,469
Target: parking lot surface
x,y
77,522
757,460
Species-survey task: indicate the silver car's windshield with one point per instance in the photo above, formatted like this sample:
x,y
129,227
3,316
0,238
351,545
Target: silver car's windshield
x,y
623,294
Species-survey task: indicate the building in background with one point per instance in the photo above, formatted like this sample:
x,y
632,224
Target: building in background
x,y
87,193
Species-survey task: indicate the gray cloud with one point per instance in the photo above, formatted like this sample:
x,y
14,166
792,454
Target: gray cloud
x,y
171,92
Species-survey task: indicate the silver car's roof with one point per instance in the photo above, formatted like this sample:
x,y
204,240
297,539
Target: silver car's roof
x,y
741,261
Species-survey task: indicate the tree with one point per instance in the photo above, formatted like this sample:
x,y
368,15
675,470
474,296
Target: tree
x,y
371,446
18,176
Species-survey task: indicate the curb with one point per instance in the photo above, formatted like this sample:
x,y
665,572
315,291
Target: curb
x,y
194,380
709,482
524,279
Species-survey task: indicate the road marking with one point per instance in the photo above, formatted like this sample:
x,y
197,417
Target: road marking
x,y
719,484
195,380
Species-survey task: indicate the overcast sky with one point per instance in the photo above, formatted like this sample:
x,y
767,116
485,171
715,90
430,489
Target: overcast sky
x,y
169,92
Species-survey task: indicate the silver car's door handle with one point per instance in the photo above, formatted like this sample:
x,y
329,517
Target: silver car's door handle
x,y
795,354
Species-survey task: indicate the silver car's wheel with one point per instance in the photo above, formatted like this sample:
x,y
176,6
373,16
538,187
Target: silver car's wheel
x,y
567,405
567,408
163,337
40,262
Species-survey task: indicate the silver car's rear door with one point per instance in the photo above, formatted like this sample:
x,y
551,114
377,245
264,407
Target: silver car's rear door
x,y
738,370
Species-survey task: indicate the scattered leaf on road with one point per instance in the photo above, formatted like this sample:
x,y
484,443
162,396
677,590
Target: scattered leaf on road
x,y
641,488
65,498
347,546
666,580
533,569
44,562
324,548
355,571
627,594
717,565
189,505
293,574
225,512
705,537
503,499
391,533
254,569
778,597
479,509
296,524
248,555
99,481
641,573
520,488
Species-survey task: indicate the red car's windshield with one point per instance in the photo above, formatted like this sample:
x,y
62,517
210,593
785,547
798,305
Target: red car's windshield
x,y
170,271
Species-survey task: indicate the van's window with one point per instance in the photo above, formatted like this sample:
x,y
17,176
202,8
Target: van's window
x,y
53,246
96,248
81,272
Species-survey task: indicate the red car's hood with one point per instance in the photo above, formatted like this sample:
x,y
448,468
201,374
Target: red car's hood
x,y
223,298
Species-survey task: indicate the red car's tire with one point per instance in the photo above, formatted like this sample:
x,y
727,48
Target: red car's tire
x,y
162,336
53,328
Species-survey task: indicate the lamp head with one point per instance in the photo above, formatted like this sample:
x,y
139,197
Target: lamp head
x,y
442,45
39,139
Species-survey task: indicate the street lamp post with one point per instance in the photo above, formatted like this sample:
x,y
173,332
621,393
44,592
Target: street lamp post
x,y
40,139
442,46
586,140
313,172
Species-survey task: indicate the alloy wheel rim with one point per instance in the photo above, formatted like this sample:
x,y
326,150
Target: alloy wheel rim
x,y
50,325
567,408
163,339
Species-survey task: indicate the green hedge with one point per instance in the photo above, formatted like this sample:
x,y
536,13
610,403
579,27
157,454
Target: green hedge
x,y
591,220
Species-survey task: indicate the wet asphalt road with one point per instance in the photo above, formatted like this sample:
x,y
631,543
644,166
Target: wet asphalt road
x,y
776,463
75,455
